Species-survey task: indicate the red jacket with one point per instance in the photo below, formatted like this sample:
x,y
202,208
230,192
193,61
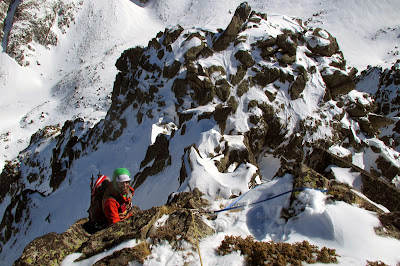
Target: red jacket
x,y
117,206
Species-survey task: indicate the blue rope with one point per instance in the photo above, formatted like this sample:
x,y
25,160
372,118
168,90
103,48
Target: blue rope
x,y
233,203
270,198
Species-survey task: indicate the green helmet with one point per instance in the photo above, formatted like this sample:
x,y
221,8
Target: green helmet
x,y
120,175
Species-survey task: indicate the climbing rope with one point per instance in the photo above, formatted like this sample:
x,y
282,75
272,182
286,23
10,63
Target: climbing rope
x,y
195,234
231,207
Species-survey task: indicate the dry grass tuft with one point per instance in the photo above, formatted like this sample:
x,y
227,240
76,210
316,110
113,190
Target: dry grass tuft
x,y
270,253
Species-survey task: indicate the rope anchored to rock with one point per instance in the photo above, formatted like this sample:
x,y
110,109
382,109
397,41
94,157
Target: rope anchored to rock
x,y
231,207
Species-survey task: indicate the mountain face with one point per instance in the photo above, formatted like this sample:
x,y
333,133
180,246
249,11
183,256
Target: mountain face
x,y
209,111
36,23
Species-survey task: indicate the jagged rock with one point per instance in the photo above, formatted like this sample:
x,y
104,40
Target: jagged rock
x,y
356,110
178,227
194,35
179,89
193,52
4,6
267,131
171,35
229,35
52,248
245,58
287,60
209,71
188,200
204,90
294,149
183,226
222,89
338,82
139,93
64,154
390,224
126,255
381,192
158,153
129,59
378,121
146,64
8,179
236,78
387,168
235,156
267,46
388,93
171,71
391,76
206,52
221,113
135,227
297,87
155,44
288,43
267,76
233,104
33,22
305,177
373,187
342,192
13,215
242,88
366,127
257,135
323,43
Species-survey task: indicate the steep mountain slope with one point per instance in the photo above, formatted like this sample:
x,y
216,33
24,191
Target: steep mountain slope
x,y
260,102
73,75
81,64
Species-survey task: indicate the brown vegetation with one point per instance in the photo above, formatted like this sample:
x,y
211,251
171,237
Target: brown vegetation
x,y
270,253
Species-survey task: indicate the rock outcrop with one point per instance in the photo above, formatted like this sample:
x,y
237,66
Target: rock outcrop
x,y
178,228
32,23
5,5
283,93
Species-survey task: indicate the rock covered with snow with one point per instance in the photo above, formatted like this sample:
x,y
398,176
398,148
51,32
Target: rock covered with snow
x,y
173,222
4,6
38,23
243,106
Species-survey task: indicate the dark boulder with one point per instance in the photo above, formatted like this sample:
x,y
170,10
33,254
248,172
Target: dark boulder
x,y
245,58
327,47
171,35
338,82
229,35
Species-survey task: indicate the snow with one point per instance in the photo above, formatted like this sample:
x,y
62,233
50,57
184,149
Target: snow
x,y
75,79
346,176
69,260
338,225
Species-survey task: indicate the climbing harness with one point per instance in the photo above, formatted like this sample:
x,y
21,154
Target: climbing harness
x,y
231,207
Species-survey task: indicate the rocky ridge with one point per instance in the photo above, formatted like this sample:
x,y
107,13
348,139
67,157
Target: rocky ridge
x,y
37,23
275,70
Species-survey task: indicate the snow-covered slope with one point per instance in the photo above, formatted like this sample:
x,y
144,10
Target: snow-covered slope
x,y
75,77
84,56
233,110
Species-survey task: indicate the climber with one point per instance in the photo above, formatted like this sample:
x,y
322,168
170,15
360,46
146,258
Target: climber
x,y
117,199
